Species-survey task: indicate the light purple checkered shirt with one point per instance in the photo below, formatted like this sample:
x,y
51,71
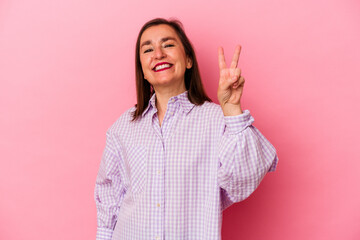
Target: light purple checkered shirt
x,y
173,182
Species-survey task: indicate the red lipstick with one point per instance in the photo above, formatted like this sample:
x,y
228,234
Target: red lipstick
x,y
161,63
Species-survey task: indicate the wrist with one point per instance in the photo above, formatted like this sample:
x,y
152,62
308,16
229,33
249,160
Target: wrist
x,y
231,109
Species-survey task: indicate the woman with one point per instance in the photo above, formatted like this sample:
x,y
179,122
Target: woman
x,y
176,160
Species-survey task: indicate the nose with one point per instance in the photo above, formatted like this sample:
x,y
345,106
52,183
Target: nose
x,y
159,53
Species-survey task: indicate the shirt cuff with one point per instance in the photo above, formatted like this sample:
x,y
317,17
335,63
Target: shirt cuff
x,y
236,124
274,164
104,234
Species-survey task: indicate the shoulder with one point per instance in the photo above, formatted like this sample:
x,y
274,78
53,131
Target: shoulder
x,y
210,114
123,122
210,109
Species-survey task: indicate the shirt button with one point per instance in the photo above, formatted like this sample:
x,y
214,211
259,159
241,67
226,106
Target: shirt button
x,y
158,172
157,238
158,204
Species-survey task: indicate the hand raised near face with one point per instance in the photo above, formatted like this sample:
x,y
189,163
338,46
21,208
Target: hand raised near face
x,y
231,84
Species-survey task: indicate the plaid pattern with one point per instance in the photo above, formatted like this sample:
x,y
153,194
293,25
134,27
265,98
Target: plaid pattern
x,y
173,182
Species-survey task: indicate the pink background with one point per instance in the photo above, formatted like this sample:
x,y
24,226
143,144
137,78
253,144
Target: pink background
x,y
67,73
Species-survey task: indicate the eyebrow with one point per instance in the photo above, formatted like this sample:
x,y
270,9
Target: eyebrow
x,y
148,42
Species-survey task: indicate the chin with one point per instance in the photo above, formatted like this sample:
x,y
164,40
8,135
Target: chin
x,y
164,82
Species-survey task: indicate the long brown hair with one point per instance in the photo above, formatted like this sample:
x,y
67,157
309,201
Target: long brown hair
x,y
144,91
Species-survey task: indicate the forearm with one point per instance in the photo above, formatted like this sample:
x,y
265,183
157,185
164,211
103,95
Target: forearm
x,y
245,157
109,190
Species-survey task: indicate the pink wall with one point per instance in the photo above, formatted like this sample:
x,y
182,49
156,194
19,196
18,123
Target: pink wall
x,y
66,72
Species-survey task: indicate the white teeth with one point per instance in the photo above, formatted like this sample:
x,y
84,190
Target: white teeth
x,y
162,66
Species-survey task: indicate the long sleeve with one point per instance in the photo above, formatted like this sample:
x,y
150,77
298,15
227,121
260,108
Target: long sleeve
x,y
109,190
245,157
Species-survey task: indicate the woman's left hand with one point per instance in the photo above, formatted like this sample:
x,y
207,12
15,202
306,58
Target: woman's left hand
x,y
231,84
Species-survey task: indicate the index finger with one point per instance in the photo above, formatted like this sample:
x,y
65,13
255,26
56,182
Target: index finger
x,y
222,63
236,56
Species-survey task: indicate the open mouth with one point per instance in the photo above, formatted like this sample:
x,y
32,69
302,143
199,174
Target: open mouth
x,y
162,66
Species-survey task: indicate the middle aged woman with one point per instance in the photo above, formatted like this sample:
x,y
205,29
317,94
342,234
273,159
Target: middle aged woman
x,y
168,77
174,161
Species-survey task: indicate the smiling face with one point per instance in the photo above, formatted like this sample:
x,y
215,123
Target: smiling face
x,y
163,59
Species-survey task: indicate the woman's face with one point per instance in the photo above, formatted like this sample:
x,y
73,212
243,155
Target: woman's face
x,y
162,57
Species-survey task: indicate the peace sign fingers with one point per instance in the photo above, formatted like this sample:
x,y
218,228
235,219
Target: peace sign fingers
x,y
231,83
235,59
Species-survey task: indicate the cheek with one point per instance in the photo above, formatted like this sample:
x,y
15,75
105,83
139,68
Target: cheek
x,y
144,64
144,59
184,59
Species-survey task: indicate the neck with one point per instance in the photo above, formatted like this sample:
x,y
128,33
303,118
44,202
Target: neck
x,y
164,94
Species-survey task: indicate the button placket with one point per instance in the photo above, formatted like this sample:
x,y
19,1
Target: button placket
x,y
158,192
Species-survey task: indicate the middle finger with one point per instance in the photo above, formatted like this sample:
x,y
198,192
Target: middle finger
x,y
236,56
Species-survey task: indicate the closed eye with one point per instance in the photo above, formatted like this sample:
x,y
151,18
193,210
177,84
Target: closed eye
x,y
166,46
148,50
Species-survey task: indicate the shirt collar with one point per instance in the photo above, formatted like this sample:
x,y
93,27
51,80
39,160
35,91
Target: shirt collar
x,y
182,99
151,104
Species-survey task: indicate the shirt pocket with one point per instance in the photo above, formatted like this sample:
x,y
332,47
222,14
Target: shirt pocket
x,y
137,158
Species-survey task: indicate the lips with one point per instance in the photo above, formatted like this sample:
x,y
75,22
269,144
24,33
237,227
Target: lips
x,y
162,66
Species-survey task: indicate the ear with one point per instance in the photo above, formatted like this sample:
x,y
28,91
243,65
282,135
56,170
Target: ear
x,y
189,62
